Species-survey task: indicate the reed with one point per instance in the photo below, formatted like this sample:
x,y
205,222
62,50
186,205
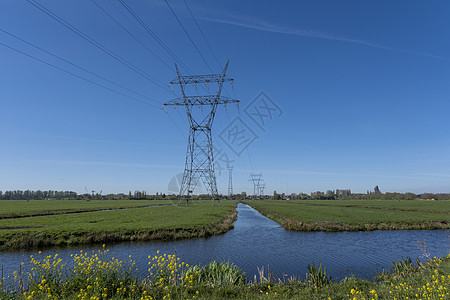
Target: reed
x,y
216,274
405,265
317,276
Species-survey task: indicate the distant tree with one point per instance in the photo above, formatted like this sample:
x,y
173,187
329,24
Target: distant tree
x,y
317,195
276,196
303,196
330,194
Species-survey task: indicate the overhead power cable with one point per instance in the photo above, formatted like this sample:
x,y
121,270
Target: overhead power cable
x,y
201,32
96,44
78,76
77,66
204,37
155,37
188,35
132,35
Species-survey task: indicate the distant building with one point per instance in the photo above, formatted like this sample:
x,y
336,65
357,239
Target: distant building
x,y
376,190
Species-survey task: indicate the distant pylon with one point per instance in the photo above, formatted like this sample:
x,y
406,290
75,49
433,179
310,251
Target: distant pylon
x,y
258,185
199,164
261,188
230,183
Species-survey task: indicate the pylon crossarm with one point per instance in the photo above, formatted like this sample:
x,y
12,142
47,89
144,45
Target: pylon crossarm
x,y
201,100
195,79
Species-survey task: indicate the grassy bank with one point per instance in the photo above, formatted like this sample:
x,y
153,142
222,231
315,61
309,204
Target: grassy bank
x,y
99,276
354,215
200,219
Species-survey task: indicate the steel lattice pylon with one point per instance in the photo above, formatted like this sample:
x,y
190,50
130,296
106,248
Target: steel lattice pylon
x,y
258,185
199,155
230,183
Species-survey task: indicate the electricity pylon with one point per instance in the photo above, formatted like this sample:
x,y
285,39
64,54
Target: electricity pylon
x,y
230,183
258,185
199,155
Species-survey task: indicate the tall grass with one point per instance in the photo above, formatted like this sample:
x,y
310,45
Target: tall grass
x,y
405,266
317,276
216,274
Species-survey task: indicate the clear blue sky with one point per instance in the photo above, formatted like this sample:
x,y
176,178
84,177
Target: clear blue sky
x,y
362,89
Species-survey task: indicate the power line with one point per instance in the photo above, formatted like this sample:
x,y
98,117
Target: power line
x,y
85,79
204,37
188,35
154,36
132,35
206,40
178,128
158,40
78,76
96,44
77,66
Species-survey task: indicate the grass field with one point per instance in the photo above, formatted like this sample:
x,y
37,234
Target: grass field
x,y
340,215
148,223
21,208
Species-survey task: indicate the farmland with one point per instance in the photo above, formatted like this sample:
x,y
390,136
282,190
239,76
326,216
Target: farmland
x,y
49,223
21,208
341,215
41,223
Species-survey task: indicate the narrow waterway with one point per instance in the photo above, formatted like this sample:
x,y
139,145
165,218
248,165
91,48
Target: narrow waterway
x,y
257,241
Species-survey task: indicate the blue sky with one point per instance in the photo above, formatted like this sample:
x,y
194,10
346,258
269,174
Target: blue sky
x,y
361,88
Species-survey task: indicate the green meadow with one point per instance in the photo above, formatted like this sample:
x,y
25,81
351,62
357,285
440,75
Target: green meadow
x,y
341,215
22,208
40,226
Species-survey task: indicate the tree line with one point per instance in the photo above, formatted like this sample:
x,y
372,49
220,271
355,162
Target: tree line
x,y
38,195
142,195
346,194
70,195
